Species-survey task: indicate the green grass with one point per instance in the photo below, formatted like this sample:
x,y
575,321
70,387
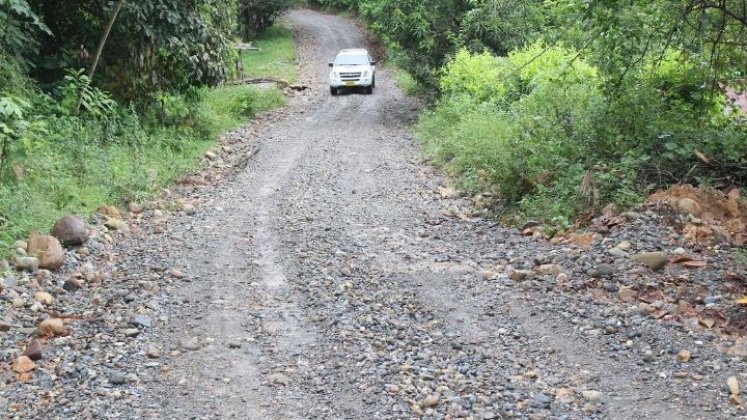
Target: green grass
x,y
82,175
408,84
74,165
276,57
228,107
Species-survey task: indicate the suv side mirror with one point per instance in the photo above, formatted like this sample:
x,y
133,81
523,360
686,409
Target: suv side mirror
x,y
331,64
373,63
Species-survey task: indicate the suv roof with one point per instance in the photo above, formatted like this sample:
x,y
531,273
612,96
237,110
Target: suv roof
x,y
353,51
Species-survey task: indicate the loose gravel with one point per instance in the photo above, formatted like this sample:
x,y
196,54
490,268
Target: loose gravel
x,y
316,269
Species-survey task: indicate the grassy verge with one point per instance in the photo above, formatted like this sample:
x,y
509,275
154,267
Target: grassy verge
x,y
225,108
408,84
65,164
276,57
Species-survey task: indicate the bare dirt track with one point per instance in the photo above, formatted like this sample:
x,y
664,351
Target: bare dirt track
x,y
329,279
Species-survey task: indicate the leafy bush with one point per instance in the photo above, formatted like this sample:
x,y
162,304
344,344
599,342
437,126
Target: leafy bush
x,y
623,96
77,89
524,123
482,77
666,114
539,129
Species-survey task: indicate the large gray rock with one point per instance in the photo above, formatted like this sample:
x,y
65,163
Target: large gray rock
x,y
71,230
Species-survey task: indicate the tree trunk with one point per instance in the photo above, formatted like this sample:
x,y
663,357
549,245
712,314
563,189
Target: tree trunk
x,y
100,48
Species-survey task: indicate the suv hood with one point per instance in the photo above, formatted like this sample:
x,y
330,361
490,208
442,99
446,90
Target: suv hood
x,y
351,69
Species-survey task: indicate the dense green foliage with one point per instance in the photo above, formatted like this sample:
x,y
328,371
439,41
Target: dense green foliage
x,y
19,23
70,143
155,44
560,107
503,122
257,15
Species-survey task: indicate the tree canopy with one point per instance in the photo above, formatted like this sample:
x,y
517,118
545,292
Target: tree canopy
x,y
154,44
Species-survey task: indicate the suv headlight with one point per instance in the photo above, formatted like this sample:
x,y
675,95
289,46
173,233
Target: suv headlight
x,y
333,75
365,73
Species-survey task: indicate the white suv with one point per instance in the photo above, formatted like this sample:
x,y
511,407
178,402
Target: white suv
x,y
352,68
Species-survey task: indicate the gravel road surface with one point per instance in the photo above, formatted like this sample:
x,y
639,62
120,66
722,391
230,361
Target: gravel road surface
x,y
334,276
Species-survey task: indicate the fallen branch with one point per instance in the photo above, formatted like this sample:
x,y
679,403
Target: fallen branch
x,y
260,80
247,47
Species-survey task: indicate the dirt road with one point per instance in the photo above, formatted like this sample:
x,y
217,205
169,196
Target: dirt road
x,y
330,279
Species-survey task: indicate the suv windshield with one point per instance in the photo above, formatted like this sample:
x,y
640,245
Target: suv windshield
x,y
351,60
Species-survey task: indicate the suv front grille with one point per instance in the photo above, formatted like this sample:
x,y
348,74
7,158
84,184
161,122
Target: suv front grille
x,y
350,77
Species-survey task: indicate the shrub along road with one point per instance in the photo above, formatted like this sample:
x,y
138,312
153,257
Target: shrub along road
x,y
333,277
